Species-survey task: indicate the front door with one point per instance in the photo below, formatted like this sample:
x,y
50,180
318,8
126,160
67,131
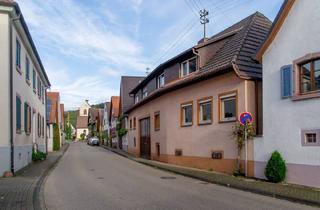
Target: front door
x,y
145,146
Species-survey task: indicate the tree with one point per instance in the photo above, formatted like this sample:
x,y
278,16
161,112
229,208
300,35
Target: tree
x,y
56,137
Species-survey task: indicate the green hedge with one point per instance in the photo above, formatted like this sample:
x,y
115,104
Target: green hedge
x,y
276,168
56,137
36,156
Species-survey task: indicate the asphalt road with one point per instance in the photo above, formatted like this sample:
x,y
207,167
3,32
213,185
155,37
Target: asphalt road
x,y
94,178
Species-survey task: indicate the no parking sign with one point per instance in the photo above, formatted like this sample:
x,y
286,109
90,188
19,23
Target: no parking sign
x,y
245,117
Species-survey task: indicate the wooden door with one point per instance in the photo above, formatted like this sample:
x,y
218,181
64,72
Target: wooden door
x,y
145,146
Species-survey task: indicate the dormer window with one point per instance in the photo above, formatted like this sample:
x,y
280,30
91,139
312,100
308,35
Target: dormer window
x,y
144,93
160,81
188,67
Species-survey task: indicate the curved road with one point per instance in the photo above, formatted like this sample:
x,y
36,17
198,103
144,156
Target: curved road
x,y
94,178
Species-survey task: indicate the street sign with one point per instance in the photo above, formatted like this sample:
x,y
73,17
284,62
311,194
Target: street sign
x,y
245,117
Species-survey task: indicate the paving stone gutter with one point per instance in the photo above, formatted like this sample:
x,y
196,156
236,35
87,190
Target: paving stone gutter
x,y
295,193
25,189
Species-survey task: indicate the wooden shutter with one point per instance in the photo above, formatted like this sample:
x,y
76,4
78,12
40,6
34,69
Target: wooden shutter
x,y
286,81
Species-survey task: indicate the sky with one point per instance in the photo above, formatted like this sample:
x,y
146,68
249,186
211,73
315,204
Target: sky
x,y
87,45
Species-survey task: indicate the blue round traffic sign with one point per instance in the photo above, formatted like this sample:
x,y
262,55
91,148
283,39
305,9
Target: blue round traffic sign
x,y
245,117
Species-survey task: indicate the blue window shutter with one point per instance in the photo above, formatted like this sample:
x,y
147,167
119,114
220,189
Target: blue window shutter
x,y
18,113
286,81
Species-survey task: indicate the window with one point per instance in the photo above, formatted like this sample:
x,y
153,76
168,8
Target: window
x,y
27,69
84,112
18,55
34,76
188,67
39,87
228,107
49,105
130,123
310,76
27,118
144,92
136,98
286,81
205,111
18,114
186,114
134,123
39,125
310,137
160,81
157,121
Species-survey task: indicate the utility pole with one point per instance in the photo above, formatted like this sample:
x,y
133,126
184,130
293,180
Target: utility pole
x,y
204,20
147,70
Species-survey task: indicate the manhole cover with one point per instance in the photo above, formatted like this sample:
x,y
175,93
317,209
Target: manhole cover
x,y
100,178
168,177
92,169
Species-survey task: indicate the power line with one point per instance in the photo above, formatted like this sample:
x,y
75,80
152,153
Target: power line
x,y
190,7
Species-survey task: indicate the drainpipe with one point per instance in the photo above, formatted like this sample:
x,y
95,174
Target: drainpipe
x,y
197,53
45,121
11,21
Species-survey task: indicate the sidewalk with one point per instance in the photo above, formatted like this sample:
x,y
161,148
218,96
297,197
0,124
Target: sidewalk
x,y
290,192
22,191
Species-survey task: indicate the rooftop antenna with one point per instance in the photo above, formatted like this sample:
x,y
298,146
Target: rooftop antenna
x,y
204,20
147,70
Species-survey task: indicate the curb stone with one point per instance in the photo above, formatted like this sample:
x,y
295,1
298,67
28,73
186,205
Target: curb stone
x,y
287,191
38,192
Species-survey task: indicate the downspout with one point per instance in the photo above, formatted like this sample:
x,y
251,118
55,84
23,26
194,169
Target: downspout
x,y
11,20
46,120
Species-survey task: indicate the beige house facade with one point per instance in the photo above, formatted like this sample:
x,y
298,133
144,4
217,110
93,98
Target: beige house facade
x,y
186,110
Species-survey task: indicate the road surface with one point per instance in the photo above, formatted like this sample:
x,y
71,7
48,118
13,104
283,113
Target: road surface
x,y
94,178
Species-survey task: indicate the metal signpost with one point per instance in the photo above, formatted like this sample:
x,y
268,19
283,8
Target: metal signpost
x,y
245,118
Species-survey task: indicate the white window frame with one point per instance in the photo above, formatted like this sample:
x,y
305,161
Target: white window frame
x,y
159,85
144,92
183,113
232,96
136,98
200,103
188,66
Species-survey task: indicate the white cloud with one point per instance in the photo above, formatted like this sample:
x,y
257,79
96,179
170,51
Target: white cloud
x,y
110,72
77,31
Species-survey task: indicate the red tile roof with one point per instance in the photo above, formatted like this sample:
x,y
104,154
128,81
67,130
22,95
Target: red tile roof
x,y
54,98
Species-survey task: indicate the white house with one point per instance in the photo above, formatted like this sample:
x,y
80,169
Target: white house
x,y
54,116
291,93
82,119
23,83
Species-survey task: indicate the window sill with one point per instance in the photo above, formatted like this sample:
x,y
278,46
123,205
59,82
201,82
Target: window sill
x,y
28,82
34,90
186,125
205,123
227,121
157,129
18,131
311,95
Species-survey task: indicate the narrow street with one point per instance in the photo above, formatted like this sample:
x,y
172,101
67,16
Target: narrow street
x,y
94,178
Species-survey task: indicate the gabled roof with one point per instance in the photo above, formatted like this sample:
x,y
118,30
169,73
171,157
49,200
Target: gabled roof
x,y
12,3
242,41
114,108
62,113
279,20
239,51
53,106
126,85
82,122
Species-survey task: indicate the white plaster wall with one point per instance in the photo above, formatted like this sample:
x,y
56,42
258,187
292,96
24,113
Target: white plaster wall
x,y
80,131
284,118
50,137
22,142
4,93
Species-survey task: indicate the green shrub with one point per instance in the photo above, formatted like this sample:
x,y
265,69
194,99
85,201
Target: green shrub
x,y
56,137
36,156
276,168
82,136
